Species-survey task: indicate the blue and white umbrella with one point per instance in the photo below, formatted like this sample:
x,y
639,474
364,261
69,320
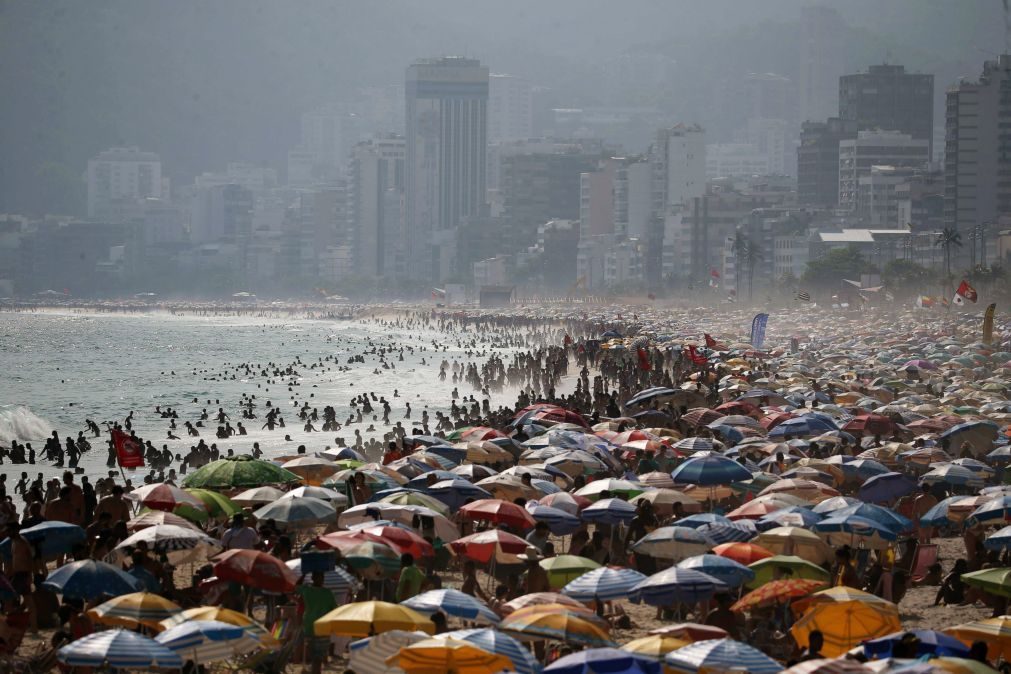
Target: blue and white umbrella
x,y
807,426
369,655
999,540
203,641
999,509
456,492
976,466
609,511
337,579
646,395
90,579
500,643
697,520
675,585
119,649
791,516
603,584
694,444
604,660
740,531
709,471
862,469
886,487
852,529
559,522
299,511
422,481
452,603
51,539
724,569
884,516
674,543
721,655
835,503
960,476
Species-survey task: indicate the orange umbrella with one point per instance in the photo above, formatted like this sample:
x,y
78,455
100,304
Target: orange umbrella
x,y
777,591
541,598
484,546
498,511
743,553
691,632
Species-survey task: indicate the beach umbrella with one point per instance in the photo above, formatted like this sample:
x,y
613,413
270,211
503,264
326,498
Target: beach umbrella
x,y
559,522
181,544
370,654
497,511
135,609
455,492
674,543
50,539
314,469
869,424
728,532
676,585
223,615
929,642
204,641
603,584
979,434
840,593
724,569
776,592
297,512
162,496
742,553
694,444
507,487
853,530
647,395
498,642
953,474
883,516
795,541
806,426
401,539
258,496
473,472
565,568
594,490
372,559
485,546
89,579
239,471
452,603
886,488
609,511
255,569
447,655
367,513
999,540
835,503
543,599
709,471
567,626
367,618
330,496
766,569
721,655
663,500
809,490
995,632
846,624
154,517
792,516
604,661
655,646
690,632
995,581
996,510
119,649
336,580
215,504
828,666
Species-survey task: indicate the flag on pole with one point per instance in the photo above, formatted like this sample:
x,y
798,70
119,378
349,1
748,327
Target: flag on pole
x,y
758,324
803,296
964,292
129,451
988,323
924,302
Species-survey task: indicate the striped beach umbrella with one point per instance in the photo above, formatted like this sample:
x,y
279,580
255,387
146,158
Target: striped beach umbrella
x,y
674,543
181,544
776,592
119,649
335,580
559,522
675,585
370,654
711,470
452,603
734,574
223,615
302,511
721,655
498,642
203,641
603,584
570,627
447,655
609,511
596,660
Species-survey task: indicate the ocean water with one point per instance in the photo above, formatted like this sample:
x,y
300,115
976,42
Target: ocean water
x,y
62,368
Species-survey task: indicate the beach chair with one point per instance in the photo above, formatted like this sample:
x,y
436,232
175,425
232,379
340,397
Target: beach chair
x,y
288,632
926,556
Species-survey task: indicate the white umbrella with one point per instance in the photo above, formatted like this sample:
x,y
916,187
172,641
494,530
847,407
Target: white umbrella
x,y
302,511
368,656
322,493
258,496
204,641
181,544
120,649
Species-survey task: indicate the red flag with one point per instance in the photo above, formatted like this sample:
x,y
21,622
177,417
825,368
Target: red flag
x,y
128,450
964,292
696,357
644,363
710,342
714,272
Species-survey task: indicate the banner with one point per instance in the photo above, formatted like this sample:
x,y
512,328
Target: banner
x,y
710,342
129,451
696,357
988,323
758,324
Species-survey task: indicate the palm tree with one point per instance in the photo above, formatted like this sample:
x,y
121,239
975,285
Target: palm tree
x,y
947,239
752,254
739,248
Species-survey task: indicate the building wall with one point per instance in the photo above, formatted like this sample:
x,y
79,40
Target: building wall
x,y
887,97
122,174
510,108
874,148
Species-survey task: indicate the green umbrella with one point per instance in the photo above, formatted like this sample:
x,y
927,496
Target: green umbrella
x,y
799,568
373,560
564,569
455,436
994,581
239,471
217,505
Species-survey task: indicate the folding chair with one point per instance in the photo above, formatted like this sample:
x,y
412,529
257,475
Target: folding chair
x,y
926,556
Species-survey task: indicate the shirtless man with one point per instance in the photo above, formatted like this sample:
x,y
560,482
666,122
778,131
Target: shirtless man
x,y
923,502
114,504
21,567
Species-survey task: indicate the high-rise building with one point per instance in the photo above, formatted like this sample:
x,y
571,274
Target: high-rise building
x,y
977,154
886,97
679,166
221,213
818,161
857,156
819,61
447,138
768,96
510,108
122,175
377,189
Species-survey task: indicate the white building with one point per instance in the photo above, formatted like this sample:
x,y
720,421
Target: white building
x,y
623,263
377,213
874,148
633,191
772,138
732,160
680,169
790,255
122,174
878,199
491,272
510,108
257,179
221,213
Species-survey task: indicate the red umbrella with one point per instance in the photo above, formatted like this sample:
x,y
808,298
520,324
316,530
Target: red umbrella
x,y
560,498
870,424
484,546
498,511
929,425
626,437
401,540
691,631
739,407
345,540
700,416
479,433
255,569
774,419
742,553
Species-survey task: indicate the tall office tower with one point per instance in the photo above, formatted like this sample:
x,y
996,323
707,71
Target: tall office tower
x,y
447,137
820,62
376,179
888,98
510,108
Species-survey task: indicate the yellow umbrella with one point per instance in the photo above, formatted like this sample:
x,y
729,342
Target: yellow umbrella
x,y
836,594
846,624
223,615
655,646
996,632
135,609
438,656
368,618
577,628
